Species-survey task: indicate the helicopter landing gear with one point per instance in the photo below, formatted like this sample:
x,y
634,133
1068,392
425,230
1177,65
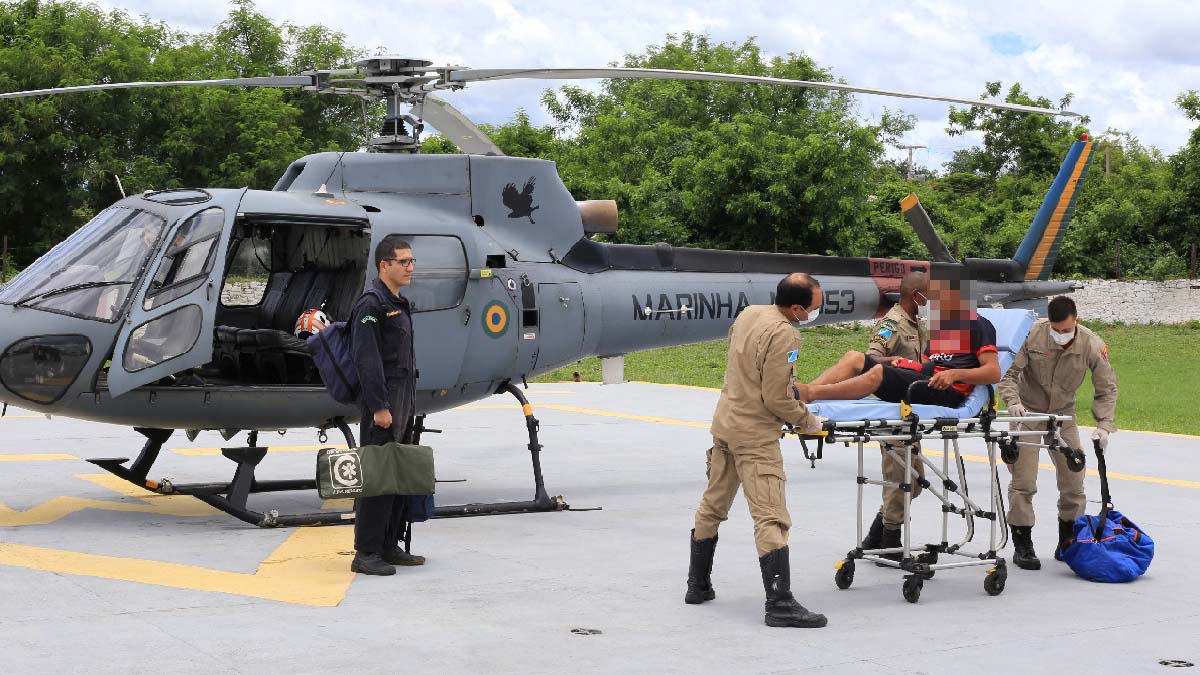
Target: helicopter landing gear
x,y
233,497
541,501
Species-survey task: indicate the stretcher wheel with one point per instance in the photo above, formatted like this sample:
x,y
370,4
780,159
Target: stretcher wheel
x,y
1009,451
993,583
912,588
1076,460
928,558
845,574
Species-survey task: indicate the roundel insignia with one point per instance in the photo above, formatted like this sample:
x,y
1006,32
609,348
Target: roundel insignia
x,y
495,319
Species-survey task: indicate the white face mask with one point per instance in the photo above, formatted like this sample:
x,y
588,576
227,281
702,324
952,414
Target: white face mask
x,y
1062,339
812,316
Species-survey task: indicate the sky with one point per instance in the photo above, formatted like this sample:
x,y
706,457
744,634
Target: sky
x,y
1125,62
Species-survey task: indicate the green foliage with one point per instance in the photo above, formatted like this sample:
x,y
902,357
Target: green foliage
x,y
751,167
1144,357
1013,142
59,154
728,166
516,138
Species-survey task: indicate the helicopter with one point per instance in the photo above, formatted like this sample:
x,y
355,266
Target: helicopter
x,y
143,318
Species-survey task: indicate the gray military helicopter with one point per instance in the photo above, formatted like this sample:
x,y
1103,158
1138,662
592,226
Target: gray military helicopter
x,y
133,320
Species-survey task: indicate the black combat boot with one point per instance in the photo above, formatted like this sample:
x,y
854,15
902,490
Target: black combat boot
x,y
875,534
781,607
1023,553
396,555
371,563
700,571
1066,533
890,539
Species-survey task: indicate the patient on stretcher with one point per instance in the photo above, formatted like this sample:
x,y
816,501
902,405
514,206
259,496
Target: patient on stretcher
x,y
961,355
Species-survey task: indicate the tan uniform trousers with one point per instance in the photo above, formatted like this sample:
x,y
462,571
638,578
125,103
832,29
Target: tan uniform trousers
x,y
893,498
758,469
1071,499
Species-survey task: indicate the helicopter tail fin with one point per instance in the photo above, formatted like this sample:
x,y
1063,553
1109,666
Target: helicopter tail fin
x,y
1039,248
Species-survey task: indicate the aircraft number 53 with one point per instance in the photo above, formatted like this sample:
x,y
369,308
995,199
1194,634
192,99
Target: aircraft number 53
x,y
839,302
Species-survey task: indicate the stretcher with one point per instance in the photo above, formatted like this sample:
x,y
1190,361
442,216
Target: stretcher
x,y
900,428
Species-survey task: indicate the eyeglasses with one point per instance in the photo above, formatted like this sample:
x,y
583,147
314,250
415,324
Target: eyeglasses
x,y
407,262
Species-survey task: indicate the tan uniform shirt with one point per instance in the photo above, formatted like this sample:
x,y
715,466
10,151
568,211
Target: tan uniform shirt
x,y
756,399
898,334
1044,377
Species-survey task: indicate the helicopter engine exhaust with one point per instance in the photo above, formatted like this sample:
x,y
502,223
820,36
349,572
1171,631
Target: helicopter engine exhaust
x,y
599,216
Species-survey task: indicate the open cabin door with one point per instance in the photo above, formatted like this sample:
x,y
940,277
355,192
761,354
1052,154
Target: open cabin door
x,y
170,323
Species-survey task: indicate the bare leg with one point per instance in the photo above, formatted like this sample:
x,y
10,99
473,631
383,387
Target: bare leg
x,y
854,388
850,365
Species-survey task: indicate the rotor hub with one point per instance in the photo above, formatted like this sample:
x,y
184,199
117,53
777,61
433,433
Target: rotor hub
x,y
385,66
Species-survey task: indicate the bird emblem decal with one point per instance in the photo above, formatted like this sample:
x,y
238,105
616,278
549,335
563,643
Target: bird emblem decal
x,y
520,203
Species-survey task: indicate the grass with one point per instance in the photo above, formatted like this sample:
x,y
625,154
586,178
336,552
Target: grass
x,y
1158,370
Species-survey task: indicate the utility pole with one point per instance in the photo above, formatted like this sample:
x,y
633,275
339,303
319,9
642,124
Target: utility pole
x,y
910,148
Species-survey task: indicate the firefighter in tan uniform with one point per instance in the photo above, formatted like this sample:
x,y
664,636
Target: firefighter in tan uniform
x,y
899,334
1047,372
756,400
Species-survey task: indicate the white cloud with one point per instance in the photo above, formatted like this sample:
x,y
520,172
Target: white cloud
x,y
1124,62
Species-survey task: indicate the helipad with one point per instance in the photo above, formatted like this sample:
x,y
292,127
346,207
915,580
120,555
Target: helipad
x,y
96,577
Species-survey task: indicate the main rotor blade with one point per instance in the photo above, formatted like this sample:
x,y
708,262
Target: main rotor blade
x,y
455,126
283,81
663,74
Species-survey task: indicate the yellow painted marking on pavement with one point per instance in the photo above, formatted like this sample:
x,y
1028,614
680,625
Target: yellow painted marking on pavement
x,y
705,425
598,413
678,386
21,417
1195,485
47,457
204,452
60,507
307,569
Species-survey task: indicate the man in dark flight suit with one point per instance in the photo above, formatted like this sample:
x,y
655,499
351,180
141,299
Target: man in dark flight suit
x,y
382,338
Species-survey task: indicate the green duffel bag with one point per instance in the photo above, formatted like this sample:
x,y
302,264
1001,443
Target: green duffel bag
x,y
374,470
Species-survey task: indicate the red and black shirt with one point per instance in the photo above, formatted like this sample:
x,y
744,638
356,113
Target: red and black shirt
x,y
959,347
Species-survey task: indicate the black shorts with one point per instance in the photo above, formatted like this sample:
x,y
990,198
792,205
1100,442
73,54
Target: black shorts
x,y
899,382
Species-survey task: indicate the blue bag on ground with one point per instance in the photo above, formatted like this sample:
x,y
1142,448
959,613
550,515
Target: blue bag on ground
x,y
332,356
1109,547
1121,553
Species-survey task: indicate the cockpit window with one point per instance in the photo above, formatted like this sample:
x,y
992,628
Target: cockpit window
x,y
188,260
91,273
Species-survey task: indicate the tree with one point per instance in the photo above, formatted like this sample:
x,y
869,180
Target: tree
x,y
59,154
733,166
1013,142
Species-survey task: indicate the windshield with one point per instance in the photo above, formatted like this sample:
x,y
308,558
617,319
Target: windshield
x,y
92,272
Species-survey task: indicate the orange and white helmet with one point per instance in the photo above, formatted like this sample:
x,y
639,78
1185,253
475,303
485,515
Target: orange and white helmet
x,y
311,321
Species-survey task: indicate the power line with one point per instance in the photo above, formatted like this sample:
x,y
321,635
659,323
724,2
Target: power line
x,y
910,148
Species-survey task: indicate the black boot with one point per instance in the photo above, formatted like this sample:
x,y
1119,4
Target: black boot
x,y
371,563
875,534
396,555
1023,553
781,607
1066,533
890,539
700,571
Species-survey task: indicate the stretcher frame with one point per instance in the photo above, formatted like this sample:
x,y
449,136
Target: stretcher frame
x,y
901,439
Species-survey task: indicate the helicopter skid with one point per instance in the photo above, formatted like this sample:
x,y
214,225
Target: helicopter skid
x,y
233,497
